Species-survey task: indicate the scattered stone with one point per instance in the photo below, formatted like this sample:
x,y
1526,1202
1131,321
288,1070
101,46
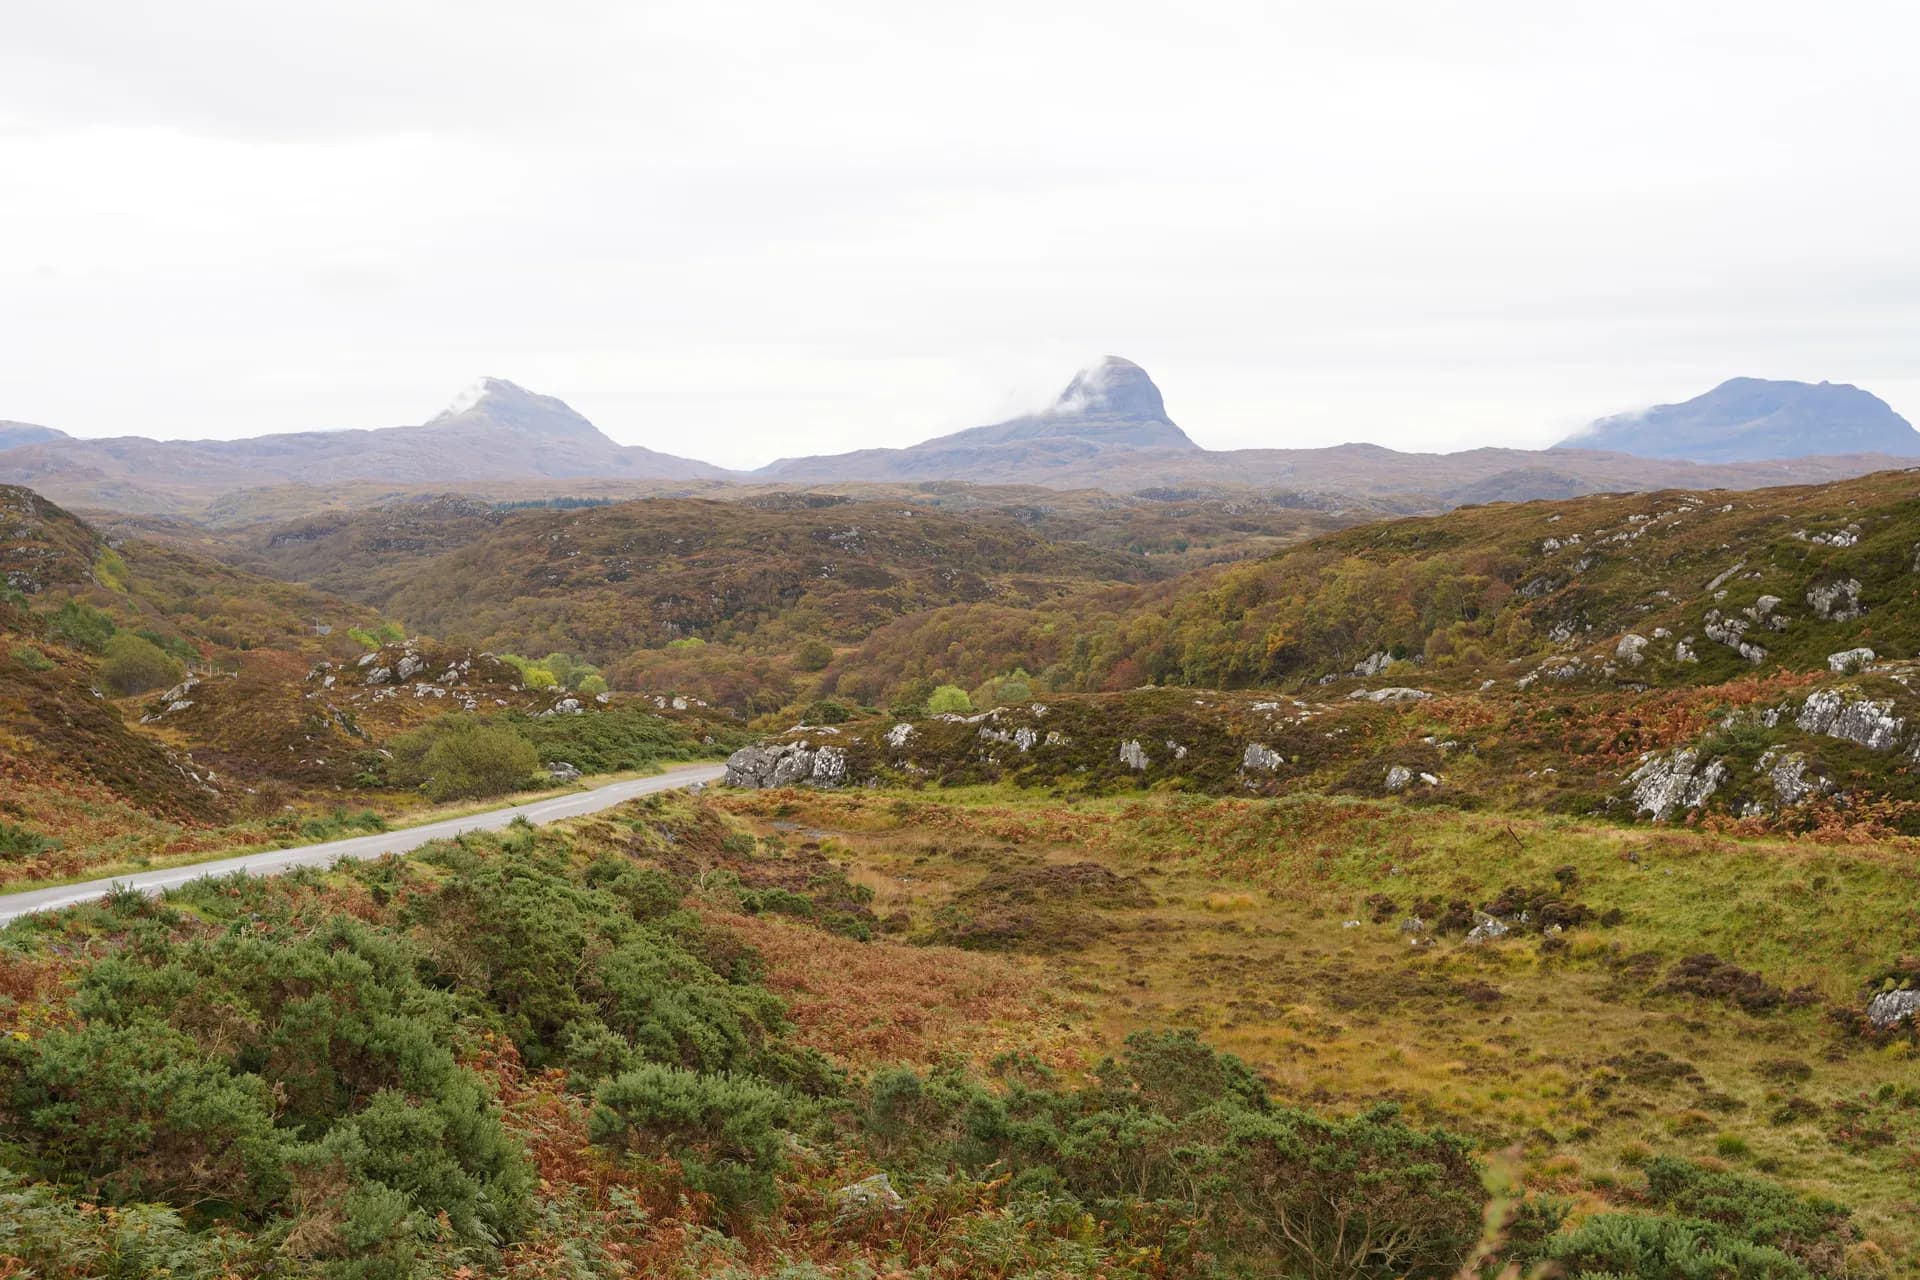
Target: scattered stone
x,y
411,665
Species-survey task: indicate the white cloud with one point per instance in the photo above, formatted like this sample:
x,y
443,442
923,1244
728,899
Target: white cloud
x,y
745,230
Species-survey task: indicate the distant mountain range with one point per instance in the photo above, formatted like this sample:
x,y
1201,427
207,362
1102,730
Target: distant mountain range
x,y
1109,429
1745,419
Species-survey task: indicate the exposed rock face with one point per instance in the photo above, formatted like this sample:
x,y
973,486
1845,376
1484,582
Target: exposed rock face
x,y
1848,661
1399,777
1374,664
1631,649
900,735
1665,784
1891,1008
1786,773
1133,755
1837,601
787,764
1262,757
1851,719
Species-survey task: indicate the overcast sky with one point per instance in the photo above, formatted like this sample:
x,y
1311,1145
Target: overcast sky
x,y
740,231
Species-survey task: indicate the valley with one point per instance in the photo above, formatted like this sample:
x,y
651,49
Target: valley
x,y
1166,883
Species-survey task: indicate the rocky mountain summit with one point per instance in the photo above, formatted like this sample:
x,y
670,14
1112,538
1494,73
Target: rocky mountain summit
x,y
1753,419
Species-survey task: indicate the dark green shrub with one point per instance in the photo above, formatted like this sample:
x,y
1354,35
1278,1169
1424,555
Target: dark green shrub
x,y
80,626
18,844
138,1111
723,1130
28,658
827,711
461,758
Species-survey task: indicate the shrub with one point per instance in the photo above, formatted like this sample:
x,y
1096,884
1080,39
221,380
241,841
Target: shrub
x,y
813,655
948,698
18,844
723,1130
827,711
135,665
29,658
593,686
81,626
458,758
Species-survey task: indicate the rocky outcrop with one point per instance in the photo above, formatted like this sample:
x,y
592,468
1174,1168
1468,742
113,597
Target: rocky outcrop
x,y
1631,649
866,1201
1731,632
787,764
1666,783
1259,756
1390,694
1837,601
1891,1008
1851,718
1133,755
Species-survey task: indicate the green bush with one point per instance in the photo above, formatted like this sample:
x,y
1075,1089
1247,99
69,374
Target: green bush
x,y
592,686
601,741
28,658
827,711
18,844
133,665
723,1130
813,655
1715,1225
80,626
460,758
948,699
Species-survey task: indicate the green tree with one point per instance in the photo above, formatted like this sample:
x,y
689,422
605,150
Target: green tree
x,y
813,655
458,758
948,698
133,664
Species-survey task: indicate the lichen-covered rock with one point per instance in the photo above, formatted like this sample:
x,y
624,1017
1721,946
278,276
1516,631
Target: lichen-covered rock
x,y
1668,782
899,735
1374,664
1390,694
1488,928
1837,601
1631,649
1731,632
1262,757
1786,773
411,665
1399,777
562,771
787,764
1870,723
1848,661
1133,755
1891,1008
866,1200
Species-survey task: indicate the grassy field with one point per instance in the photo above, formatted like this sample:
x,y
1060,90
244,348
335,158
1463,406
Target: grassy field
x,y
1276,930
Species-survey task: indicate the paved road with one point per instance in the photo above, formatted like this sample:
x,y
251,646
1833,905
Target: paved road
x,y
273,861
